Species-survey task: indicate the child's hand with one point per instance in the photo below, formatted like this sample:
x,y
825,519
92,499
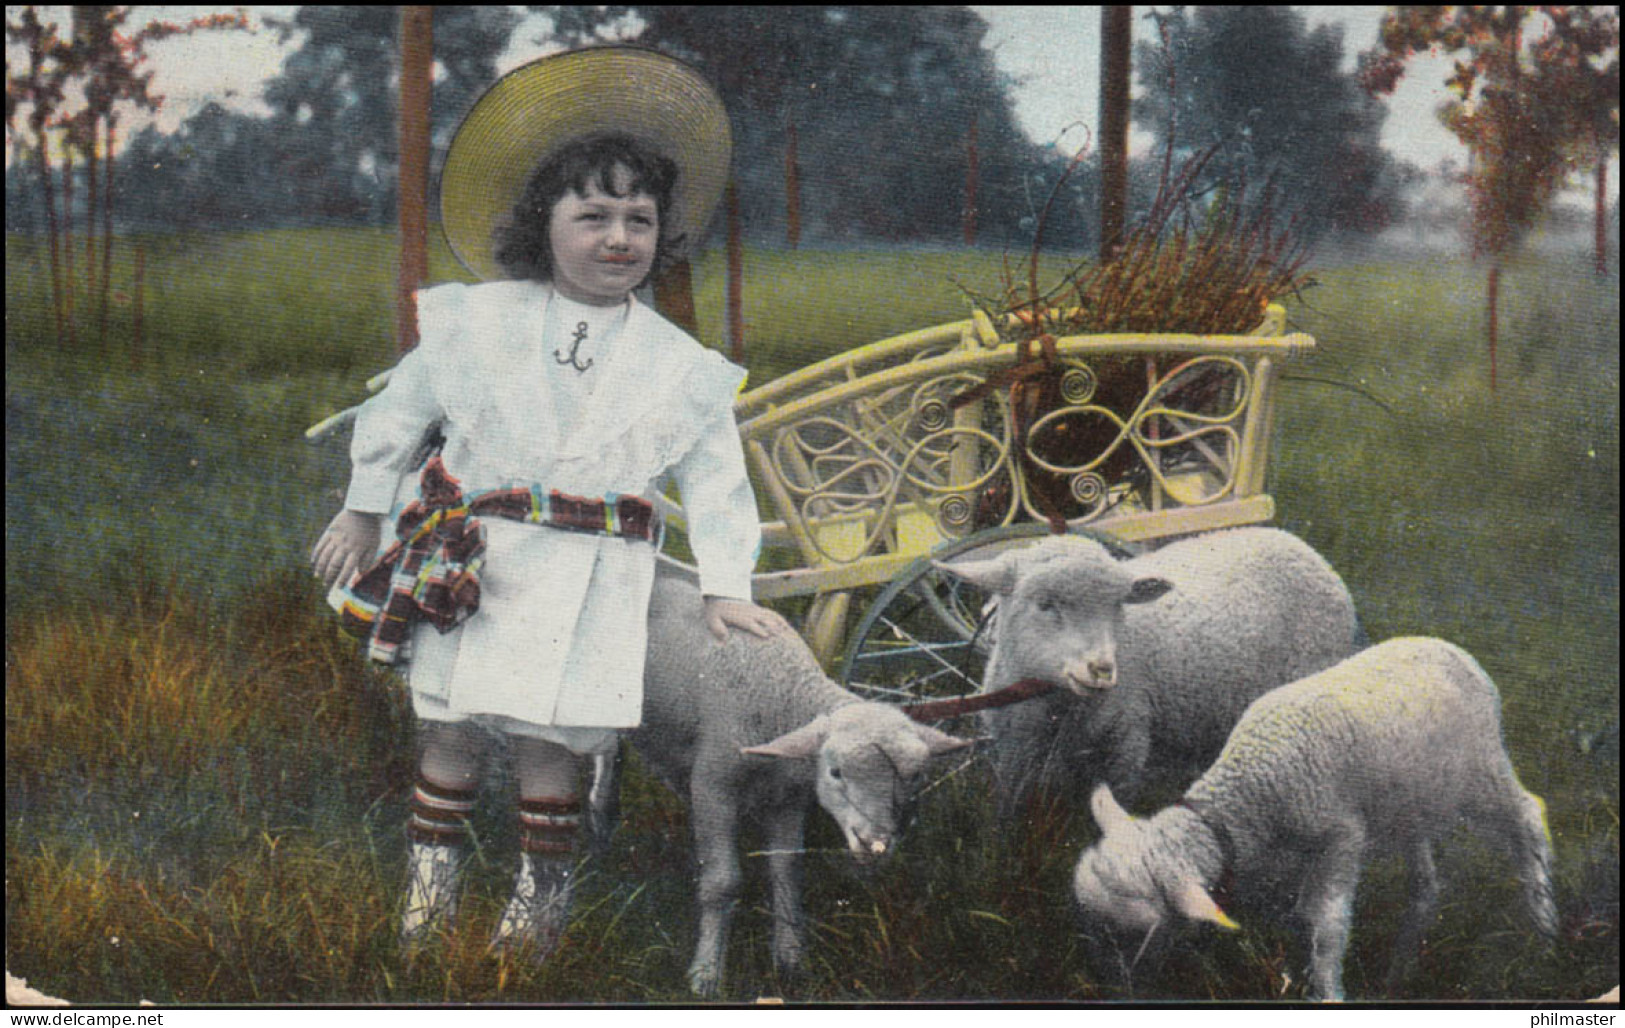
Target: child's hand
x,y
349,544
722,614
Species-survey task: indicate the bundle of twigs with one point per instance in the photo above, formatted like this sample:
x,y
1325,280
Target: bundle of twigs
x,y
1207,268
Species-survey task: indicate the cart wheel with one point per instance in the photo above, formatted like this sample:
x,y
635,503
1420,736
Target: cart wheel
x,y
923,636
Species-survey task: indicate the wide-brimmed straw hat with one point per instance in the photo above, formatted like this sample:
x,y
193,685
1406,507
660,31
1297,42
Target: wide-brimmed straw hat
x,y
539,107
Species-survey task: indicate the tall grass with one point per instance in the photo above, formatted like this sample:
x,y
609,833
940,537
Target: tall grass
x,y
205,790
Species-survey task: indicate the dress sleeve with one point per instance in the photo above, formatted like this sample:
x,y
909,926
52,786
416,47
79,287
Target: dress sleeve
x,y
724,530
388,429
391,425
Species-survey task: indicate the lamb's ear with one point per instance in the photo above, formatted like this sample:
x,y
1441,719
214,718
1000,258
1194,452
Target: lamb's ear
x,y
803,742
995,575
939,741
1111,818
1191,900
1148,588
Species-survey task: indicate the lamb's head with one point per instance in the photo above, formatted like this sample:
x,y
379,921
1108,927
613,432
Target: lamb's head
x,y
1132,880
871,760
1060,610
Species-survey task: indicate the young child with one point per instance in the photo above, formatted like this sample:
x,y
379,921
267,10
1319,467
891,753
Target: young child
x,y
521,580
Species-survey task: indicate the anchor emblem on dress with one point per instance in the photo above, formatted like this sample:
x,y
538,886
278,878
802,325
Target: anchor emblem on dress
x,y
579,337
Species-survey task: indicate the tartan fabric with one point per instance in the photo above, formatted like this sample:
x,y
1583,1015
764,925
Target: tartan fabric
x,y
432,569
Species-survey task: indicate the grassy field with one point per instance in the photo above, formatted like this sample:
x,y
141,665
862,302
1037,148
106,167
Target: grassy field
x,y
205,790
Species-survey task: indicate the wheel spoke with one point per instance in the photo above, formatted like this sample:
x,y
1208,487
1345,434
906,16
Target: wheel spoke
x,y
929,651
902,694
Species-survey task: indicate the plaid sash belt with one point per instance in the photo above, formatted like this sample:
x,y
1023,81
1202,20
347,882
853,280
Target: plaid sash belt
x,y
432,569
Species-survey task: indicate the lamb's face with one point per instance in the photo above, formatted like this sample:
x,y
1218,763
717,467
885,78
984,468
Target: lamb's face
x,y
867,782
1113,883
870,759
1136,876
1062,621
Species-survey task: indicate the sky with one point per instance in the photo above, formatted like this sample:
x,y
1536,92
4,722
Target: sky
x,y
1050,53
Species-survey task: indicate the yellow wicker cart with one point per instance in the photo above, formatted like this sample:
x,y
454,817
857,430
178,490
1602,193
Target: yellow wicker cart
x,y
871,465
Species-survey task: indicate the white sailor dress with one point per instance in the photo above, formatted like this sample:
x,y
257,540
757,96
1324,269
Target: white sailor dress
x,y
530,388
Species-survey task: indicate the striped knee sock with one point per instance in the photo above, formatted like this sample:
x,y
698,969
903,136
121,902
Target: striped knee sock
x,y
440,815
548,827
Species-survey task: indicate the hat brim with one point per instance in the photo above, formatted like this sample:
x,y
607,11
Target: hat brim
x,y
540,107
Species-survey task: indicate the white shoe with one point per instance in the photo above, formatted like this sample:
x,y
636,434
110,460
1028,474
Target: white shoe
x,y
539,909
433,882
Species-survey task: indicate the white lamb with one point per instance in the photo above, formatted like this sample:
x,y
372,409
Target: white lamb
x,y
1159,654
1385,753
715,717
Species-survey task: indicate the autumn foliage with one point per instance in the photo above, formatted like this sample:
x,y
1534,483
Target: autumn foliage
x,y
99,67
1536,96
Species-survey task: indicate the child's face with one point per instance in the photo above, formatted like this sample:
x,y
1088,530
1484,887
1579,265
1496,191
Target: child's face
x,y
603,245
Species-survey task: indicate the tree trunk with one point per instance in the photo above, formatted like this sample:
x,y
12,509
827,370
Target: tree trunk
x,y
736,279
107,229
90,217
139,288
1493,294
792,186
52,235
1116,23
412,189
972,182
67,244
1600,219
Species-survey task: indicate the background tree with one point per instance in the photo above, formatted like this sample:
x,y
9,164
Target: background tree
x,y
1267,91
882,99
40,90
336,103
109,60
1536,91
103,61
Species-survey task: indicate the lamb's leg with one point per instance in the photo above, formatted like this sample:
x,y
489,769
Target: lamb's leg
x,y
1326,906
1532,851
1520,825
604,801
716,833
1015,774
1023,738
1125,764
1424,889
1506,815
785,839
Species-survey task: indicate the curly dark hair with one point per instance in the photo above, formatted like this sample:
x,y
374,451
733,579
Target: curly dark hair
x,y
523,245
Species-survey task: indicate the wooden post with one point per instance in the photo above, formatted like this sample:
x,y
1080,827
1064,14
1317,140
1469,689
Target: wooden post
x,y
674,296
1116,23
972,183
417,60
736,279
792,186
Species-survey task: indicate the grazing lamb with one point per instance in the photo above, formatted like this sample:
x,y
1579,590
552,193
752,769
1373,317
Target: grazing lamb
x,y
1384,753
709,710
1159,654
